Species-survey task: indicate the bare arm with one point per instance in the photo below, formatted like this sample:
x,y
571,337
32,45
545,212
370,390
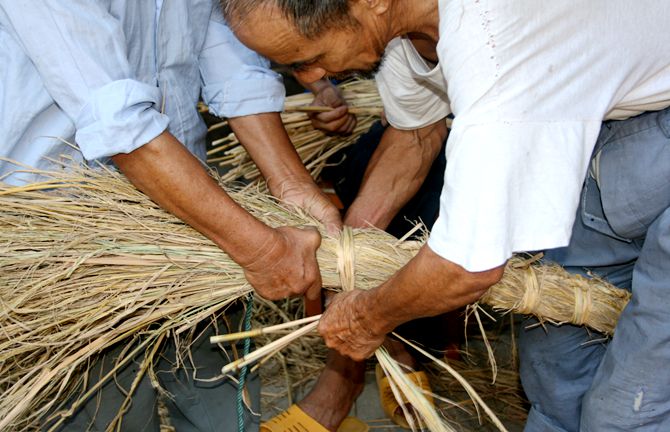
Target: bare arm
x,y
356,322
175,179
266,141
395,173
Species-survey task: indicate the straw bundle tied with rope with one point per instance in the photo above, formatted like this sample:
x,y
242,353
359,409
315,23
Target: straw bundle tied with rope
x,y
314,146
87,261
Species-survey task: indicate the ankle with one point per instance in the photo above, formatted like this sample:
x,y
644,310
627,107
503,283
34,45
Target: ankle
x,y
399,353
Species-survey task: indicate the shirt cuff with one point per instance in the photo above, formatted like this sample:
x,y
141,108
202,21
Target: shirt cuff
x,y
237,98
120,117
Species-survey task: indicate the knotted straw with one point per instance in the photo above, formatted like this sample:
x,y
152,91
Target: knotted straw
x,y
583,305
555,296
531,296
346,259
404,390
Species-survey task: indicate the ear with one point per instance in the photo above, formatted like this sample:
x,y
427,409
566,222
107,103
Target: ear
x,y
377,7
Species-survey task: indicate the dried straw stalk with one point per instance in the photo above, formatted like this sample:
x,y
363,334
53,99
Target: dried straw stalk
x,y
86,261
313,146
289,374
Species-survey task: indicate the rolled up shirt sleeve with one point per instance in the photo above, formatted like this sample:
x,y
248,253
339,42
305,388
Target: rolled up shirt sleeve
x,y
80,54
236,81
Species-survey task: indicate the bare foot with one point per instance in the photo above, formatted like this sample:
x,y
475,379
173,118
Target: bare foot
x,y
335,391
340,383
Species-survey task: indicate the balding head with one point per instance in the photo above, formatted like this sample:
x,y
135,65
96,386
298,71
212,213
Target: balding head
x,y
310,17
316,38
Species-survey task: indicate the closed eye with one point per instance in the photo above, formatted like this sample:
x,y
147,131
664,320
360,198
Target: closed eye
x,y
303,66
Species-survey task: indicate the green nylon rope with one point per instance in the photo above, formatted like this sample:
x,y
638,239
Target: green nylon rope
x,y
243,372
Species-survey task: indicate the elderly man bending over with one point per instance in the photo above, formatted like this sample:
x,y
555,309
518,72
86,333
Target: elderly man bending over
x,y
559,143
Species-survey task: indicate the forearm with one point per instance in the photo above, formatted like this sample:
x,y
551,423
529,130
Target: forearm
x,y
176,180
427,286
356,322
265,139
395,173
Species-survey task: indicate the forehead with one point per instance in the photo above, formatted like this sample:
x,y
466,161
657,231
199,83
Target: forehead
x,y
270,33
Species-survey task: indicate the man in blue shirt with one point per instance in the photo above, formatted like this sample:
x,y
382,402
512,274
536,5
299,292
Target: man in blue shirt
x,y
121,79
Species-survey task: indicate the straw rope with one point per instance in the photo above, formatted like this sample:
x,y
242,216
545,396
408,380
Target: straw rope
x,y
531,296
87,261
346,254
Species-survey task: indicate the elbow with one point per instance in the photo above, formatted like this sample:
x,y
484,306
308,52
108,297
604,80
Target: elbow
x,y
461,285
480,282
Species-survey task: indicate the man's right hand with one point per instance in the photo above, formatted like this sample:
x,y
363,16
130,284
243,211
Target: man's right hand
x,y
277,262
286,265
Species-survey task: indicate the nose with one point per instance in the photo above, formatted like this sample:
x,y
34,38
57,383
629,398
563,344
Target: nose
x,y
310,75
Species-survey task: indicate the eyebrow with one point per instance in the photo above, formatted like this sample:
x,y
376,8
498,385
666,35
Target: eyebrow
x,y
301,64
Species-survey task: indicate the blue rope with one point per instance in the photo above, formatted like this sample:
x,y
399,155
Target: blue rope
x,y
243,372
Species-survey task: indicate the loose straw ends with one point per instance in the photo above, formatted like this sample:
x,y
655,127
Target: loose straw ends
x,y
377,112
314,147
261,331
268,349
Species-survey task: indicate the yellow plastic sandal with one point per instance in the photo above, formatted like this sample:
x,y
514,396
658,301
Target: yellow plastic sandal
x,y
353,424
390,405
295,419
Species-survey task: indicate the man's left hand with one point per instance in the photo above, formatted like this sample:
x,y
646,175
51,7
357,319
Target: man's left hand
x,y
304,193
339,120
347,328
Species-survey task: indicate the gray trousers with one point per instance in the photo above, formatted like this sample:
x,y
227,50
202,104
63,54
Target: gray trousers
x,y
574,379
195,405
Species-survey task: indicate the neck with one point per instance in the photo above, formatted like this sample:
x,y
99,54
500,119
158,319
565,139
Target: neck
x,y
419,18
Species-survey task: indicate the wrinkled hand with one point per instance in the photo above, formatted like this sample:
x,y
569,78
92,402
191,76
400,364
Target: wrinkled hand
x,y
305,194
346,327
286,266
337,121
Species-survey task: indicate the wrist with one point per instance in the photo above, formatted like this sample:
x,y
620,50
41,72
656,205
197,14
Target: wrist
x,y
365,212
284,183
259,247
373,313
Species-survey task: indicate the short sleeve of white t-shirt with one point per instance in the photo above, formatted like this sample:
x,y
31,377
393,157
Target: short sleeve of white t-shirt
x,y
499,199
529,84
413,93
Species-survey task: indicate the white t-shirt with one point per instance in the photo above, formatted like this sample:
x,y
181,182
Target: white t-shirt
x,y
529,83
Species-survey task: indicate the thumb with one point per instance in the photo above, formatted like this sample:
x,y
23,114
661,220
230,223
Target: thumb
x,y
331,220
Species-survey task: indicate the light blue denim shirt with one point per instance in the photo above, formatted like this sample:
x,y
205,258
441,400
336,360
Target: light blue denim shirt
x,y
111,75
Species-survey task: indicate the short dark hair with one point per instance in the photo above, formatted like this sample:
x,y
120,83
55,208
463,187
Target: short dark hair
x,y
311,17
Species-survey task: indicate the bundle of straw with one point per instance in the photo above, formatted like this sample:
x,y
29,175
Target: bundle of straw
x,y
313,146
86,261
